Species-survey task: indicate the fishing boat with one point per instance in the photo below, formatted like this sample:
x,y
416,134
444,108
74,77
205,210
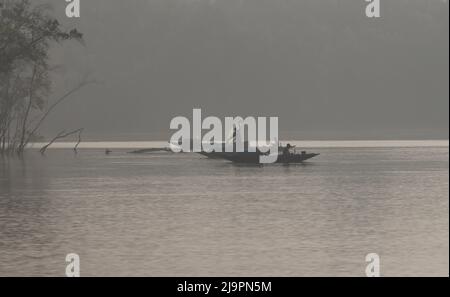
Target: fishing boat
x,y
251,154
286,154
254,158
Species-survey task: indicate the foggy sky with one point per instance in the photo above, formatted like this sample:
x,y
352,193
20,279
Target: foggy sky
x,y
325,69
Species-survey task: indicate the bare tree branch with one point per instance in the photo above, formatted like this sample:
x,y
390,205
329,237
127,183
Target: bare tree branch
x,y
49,110
60,135
79,140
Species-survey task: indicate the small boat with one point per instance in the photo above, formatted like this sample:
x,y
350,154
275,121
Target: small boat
x,y
252,154
286,155
254,158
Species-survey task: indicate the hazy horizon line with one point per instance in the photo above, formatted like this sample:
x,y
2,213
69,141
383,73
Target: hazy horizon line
x,y
299,143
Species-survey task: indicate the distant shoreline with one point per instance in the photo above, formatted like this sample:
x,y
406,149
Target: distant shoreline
x,y
298,143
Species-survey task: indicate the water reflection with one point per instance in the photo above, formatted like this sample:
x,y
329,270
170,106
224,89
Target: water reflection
x,y
164,214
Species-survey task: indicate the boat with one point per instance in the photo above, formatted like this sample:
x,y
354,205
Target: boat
x,y
254,158
251,154
286,154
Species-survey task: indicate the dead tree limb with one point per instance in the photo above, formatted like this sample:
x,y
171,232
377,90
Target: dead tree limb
x,y
60,135
79,140
57,102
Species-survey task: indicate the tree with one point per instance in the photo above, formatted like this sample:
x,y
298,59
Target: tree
x,y
26,34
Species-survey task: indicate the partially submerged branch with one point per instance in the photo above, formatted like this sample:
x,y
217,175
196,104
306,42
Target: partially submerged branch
x,y
79,140
63,134
56,103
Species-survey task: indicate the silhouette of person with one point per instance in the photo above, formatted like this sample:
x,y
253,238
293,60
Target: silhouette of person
x,y
286,150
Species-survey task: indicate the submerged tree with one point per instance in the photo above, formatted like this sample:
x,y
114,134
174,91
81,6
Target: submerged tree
x,y
26,35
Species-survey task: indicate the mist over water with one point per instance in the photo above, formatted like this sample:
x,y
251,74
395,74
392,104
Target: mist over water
x,y
322,67
370,95
182,215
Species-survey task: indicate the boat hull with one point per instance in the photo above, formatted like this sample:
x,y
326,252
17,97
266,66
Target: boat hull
x,y
254,158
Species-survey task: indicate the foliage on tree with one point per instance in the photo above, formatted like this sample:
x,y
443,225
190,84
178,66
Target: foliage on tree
x,y
27,33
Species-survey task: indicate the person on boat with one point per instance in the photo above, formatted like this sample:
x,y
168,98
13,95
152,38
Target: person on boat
x,y
287,150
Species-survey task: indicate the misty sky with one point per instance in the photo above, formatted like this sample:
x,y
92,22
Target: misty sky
x,y
325,69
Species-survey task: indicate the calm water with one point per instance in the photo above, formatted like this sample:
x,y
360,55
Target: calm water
x,y
182,215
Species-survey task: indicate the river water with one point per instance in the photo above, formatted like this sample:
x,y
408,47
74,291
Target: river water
x,y
165,214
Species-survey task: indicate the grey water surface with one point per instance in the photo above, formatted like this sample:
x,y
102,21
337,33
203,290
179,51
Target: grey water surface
x,y
183,215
